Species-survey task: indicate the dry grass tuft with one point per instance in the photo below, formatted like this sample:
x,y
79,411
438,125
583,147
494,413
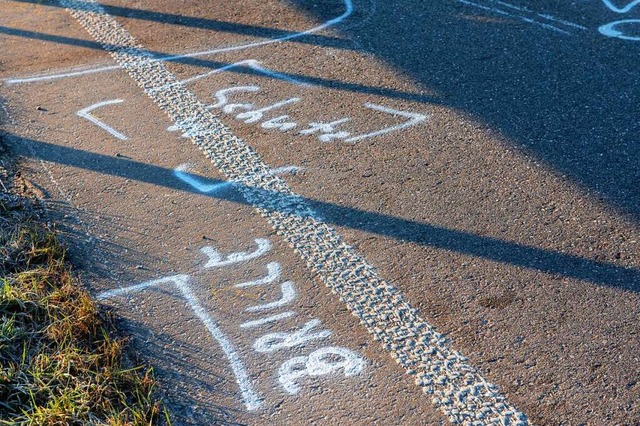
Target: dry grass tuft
x,y
59,364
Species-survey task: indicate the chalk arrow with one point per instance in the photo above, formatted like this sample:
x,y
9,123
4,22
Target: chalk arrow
x,y
84,113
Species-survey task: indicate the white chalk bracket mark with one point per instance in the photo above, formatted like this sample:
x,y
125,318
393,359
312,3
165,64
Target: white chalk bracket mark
x,y
84,113
414,118
251,399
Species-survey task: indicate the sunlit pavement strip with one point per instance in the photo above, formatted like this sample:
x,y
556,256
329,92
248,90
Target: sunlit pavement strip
x,y
456,387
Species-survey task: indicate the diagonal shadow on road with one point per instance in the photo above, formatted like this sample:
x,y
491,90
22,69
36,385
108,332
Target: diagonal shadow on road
x,y
238,69
495,249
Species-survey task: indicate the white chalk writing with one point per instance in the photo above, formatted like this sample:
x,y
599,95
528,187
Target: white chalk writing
x,y
216,260
273,273
251,398
612,29
320,362
620,29
324,131
624,9
267,320
288,296
274,341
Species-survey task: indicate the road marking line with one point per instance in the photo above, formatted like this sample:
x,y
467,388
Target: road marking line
x,y
47,77
456,387
250,63
563,21
251,399
84,113
348,5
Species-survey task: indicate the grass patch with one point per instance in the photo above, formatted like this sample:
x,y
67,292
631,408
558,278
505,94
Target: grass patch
x,y
59,361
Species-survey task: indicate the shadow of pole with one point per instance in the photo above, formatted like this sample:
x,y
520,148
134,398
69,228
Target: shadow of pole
x,y
547,261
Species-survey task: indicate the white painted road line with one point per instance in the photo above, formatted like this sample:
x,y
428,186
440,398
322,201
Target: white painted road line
x,y
456,387
348,5
59,75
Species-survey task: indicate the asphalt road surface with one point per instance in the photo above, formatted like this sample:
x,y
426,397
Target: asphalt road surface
x,y
348,211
